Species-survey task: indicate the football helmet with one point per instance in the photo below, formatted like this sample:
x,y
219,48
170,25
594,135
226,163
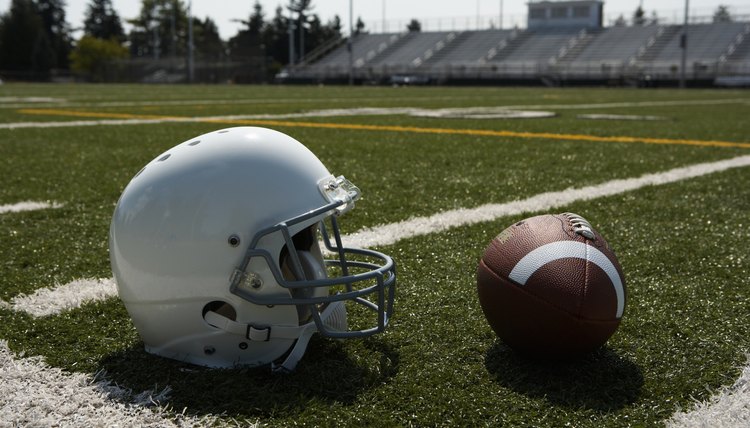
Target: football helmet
x,y
215,247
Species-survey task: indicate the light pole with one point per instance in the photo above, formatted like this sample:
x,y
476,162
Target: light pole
x,y
190,47
500,25
349,45
684,45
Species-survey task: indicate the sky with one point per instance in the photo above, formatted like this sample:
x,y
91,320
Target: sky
x,y
433,14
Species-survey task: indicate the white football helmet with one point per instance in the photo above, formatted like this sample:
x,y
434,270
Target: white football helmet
x,y
215,248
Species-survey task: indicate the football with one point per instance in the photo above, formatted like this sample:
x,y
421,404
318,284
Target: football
x,y
551,287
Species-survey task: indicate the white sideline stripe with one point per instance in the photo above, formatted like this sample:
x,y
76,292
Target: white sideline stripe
x,y
27,206
50,301
34,394
539,257
665,103
364,111
75,123
730,407
391,233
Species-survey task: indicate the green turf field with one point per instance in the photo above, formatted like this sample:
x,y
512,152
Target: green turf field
x,y
683,247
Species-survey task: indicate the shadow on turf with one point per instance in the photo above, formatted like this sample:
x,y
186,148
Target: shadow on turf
x,y
326,373
603,381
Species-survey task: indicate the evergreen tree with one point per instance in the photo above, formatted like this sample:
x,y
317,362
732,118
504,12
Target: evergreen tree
x,y
207,41
359,27
333,28
21,31
722,14
248,42
414,26
159,30
54,52
639,16
103,22
276,38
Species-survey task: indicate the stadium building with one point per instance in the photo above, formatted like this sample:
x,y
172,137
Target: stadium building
x,y
564,42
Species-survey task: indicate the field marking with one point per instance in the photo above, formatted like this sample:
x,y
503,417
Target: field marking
x,y
730,407
53,300
210,102
50,301
33,393
670,103
27,206
390,128
391,233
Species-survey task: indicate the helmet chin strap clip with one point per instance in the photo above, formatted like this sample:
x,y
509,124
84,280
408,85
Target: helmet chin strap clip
x,y
333,316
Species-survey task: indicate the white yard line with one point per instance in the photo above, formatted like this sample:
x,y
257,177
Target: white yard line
x,y
31,391
364,111
51,301
34,394
729,408
392,233
27,206
201,102
77,123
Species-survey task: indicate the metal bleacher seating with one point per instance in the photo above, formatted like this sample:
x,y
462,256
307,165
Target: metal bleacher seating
x,y
617,44
417,47
706,42
616,53
470,47
538,46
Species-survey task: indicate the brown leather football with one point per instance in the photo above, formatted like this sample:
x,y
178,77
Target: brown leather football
x,y
551,287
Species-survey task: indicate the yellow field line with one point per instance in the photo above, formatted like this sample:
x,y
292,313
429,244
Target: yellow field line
x,y
392,128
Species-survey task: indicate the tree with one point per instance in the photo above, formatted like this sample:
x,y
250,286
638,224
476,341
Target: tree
x,y
256,22
639,16
103,22
333,28
276,38
59,42
722,14
207,41
248,42
414,26
160,29
21,36
93,55
359,27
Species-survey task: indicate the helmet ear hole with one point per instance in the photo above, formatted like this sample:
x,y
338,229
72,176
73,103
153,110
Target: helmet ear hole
x,y
222,308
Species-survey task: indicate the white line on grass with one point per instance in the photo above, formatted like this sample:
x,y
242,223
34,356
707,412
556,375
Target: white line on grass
x,y
27,206
261,101
365,111
392,233
50,301
35,394
730,407
31,391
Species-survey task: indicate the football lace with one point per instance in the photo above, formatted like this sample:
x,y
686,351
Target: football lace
x,y
580,225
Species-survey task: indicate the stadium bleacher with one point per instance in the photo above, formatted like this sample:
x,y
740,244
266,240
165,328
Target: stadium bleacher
x,y
557,55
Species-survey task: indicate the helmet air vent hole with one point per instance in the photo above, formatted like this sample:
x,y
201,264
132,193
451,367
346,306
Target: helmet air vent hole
x,y
194,143
222,308
224,131
165,157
